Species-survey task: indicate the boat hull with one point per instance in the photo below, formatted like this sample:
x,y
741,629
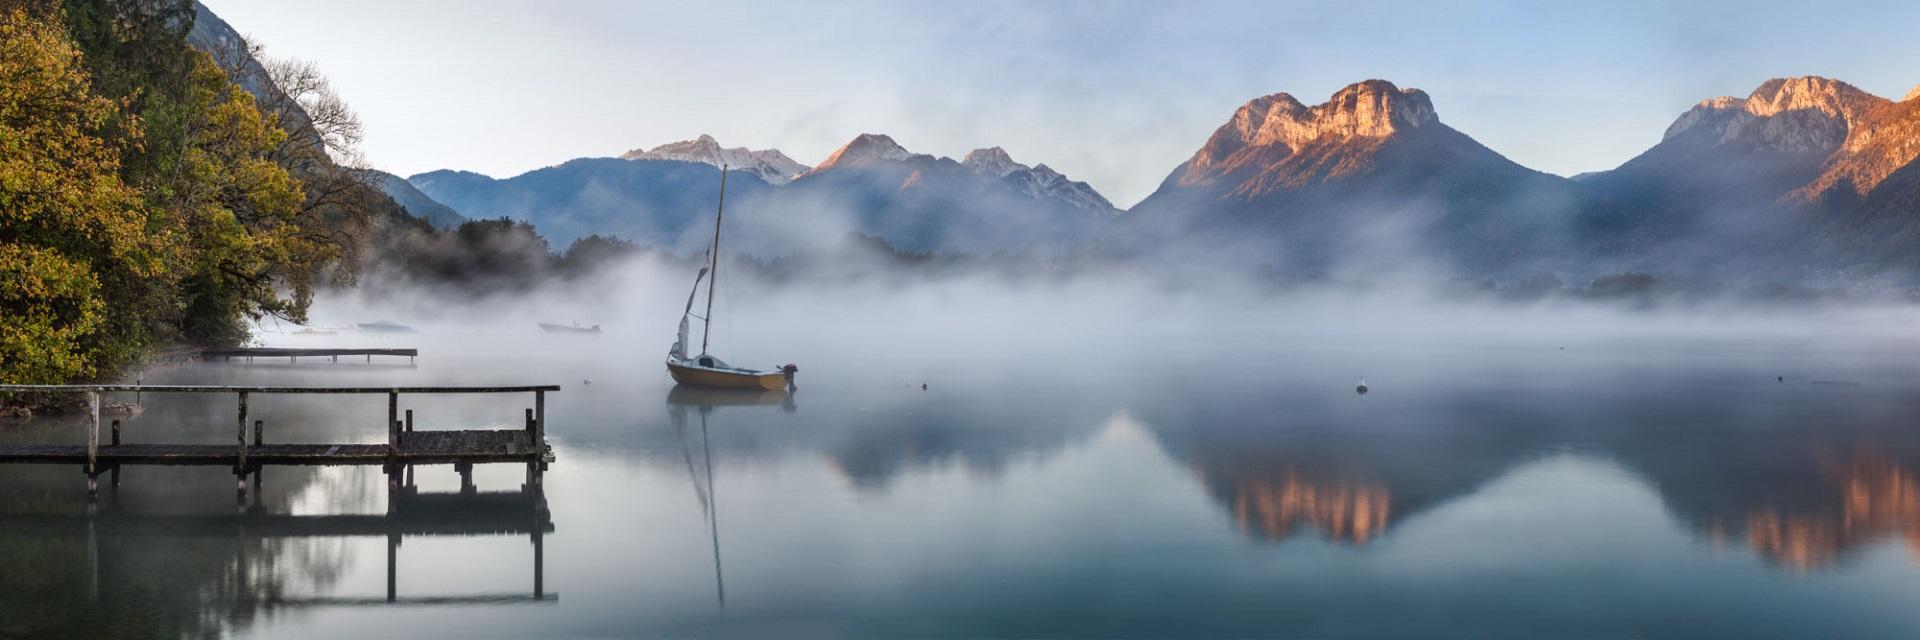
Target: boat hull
x,y
699,376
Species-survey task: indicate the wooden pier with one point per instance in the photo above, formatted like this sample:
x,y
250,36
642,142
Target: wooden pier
x,y
403,449
294,355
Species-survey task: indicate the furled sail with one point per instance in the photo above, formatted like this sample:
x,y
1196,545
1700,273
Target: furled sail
x,y
679,351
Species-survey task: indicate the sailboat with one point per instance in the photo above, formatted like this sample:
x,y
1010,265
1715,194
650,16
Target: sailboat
x,y
705,369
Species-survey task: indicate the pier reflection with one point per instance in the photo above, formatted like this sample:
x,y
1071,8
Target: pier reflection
x,y
211,571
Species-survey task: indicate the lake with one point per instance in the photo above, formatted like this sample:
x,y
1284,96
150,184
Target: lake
x,y
1688,486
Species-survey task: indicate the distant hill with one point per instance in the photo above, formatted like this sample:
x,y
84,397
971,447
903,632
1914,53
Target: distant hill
x,y
919,202
662,203
665,197
416,203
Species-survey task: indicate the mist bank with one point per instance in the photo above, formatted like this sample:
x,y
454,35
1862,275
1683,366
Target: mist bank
x,y
484,259
842,310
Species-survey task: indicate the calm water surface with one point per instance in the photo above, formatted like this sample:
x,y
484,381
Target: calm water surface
x,y
1480,490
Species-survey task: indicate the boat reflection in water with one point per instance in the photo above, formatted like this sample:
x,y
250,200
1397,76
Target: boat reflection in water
x,y
702,401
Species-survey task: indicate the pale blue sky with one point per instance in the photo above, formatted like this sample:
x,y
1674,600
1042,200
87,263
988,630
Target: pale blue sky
x,y
1114,93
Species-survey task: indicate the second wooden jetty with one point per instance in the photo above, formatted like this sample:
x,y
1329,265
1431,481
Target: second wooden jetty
x,y
295,354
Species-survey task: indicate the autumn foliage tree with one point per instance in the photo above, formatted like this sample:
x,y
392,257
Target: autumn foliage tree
x,y
145,197
70,229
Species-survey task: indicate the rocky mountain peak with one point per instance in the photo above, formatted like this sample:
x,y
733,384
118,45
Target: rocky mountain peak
x,y
1808,114
992,161
1826,95
768,164
865,148
1278,125
1915,93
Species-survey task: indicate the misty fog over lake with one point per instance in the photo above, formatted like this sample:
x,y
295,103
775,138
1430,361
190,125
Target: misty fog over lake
x,y
1088,456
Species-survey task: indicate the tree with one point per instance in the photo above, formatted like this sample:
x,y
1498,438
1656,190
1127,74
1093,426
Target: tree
x,y
68,225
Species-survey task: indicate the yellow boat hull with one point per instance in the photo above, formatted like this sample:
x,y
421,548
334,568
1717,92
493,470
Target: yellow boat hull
x,y
683,374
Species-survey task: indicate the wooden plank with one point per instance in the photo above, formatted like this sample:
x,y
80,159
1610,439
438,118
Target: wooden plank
x,y
412,601
424,447
297,352
489,522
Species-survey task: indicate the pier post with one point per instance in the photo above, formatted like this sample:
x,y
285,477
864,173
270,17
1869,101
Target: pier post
x,y
116,442
409,421
393,566
539,564
539,420
466,477
240,469
393,420
93,442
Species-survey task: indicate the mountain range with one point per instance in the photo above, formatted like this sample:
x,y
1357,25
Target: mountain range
x,y
665,197
1805,179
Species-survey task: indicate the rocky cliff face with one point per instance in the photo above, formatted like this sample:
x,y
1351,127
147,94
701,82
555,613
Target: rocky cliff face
x,y
1857,139
1272,128
1808,167
1370,173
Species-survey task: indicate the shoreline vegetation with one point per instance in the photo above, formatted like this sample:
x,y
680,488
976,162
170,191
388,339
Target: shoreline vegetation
x,y
162,189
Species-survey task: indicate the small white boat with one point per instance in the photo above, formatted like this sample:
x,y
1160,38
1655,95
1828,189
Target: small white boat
x,y
384,326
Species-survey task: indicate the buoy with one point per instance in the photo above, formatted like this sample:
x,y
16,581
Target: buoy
x,y
588,382
923,386
1362,389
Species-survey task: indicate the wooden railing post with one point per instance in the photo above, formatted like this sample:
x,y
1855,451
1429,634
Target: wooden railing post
x,y
116,442
409,421
539,420
393,420
93,441
259,426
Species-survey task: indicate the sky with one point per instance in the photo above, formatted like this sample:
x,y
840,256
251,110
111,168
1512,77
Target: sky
x,y
1113,93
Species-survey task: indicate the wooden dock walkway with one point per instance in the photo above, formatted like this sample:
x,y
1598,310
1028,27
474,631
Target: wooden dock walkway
x,y
404,448
295,354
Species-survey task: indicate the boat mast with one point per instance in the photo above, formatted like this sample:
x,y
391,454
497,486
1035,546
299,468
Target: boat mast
x,y
713,262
